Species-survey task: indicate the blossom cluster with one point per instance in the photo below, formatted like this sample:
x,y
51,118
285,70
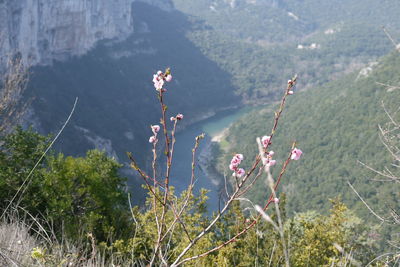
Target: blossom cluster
x,y
160,78
268,161
234,166
155,129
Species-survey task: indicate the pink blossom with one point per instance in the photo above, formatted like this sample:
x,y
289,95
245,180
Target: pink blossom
x,y
155,128
153,139
158,81
168,78
289,81
240,172
179,116
239,156
158,84
296,153
156,78
271,163
276,200
236,161
265,140
172,118
233,167
271,153
290,93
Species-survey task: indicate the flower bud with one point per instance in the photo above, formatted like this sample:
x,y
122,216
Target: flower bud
x,y
155,128
265,140
296,154
240,172
152,139
239,156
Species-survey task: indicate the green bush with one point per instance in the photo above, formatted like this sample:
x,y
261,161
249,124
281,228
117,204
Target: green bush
x,y
74,195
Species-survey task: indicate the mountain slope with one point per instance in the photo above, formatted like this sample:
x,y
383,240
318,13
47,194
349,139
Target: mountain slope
x,y
280,21
336,125
260,41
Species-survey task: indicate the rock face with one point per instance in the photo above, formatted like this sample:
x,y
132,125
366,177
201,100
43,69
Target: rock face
x,y
45,30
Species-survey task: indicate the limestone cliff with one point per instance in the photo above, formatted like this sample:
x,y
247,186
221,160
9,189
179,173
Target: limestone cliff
x,y
45,30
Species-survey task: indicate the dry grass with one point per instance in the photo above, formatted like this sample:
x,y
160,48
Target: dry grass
x,y
16,243
24,242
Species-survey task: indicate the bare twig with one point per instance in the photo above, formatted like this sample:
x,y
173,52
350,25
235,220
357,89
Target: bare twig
x,y
278,213
389,88
389,36
190,187
365,203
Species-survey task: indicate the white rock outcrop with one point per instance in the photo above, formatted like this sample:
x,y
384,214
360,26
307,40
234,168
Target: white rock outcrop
x,y
44,30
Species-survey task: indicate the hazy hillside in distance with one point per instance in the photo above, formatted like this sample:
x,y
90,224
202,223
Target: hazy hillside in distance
x,y
277,21
335,125
262,43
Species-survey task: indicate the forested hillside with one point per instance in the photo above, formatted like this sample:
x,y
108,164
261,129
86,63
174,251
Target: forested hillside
x,y
281,21
258,42
336,126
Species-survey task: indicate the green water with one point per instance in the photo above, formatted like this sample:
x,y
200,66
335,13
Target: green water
x,y
220,122
181,170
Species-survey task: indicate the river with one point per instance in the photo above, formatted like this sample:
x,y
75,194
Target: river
x,y
182,161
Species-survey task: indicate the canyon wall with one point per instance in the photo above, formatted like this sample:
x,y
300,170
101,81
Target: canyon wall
x,y
45,30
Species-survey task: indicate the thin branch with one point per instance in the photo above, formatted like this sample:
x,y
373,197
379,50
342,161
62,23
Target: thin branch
x,y
190,187
166,181
380,256
389,36
378,172
38,162
145,177
278,213
136,223
365,203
